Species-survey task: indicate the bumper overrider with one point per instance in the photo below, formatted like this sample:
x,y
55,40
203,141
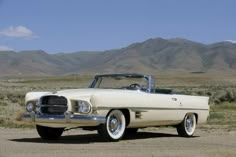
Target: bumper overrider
x,y
67,118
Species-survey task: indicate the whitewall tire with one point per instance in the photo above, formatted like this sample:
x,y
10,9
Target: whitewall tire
x,y
187,127
115,125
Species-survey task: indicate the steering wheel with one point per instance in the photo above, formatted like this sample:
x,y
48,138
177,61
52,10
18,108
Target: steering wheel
x,y
135,86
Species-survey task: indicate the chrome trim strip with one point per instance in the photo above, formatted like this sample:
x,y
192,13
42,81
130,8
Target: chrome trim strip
x,y
150,108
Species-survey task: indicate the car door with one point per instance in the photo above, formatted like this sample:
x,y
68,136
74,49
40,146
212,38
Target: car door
x,y
162,109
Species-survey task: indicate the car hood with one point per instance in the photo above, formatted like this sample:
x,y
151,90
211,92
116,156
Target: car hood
x,y
72,93
81,93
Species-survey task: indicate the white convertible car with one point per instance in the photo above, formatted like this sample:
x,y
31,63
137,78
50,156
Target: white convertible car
x,y
114,105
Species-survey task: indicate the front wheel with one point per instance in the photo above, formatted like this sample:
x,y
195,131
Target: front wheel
x,y
187,127
114,127
48,133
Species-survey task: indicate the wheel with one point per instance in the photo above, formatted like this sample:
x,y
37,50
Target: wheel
x,y
130,131
48,133
187,127
114,128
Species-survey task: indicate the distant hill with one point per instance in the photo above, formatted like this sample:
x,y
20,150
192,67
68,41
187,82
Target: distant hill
x,y
150,56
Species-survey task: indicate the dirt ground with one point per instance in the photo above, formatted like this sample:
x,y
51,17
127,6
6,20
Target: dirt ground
x,y
148,143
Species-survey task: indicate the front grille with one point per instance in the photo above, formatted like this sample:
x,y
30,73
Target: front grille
x,y
53,105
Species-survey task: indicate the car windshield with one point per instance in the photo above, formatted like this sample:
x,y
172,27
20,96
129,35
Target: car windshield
x,y
121,82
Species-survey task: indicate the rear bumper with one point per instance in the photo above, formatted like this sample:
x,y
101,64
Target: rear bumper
x,y
67,118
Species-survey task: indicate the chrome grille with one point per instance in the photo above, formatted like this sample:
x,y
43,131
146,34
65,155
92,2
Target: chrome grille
x,y
53,105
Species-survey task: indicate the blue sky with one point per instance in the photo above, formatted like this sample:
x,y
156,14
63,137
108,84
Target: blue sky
x,y
77,25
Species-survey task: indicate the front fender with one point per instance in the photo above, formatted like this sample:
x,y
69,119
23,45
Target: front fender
x,y
31,96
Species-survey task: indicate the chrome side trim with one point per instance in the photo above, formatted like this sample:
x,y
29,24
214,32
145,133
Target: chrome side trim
x,y
150,108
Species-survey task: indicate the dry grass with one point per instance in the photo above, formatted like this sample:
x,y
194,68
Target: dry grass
x,y
224,114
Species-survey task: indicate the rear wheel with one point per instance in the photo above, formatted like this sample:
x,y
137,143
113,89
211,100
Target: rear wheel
x,y
48,133
187,127
114,127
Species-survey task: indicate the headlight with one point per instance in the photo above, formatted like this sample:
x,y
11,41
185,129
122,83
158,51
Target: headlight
x,y
30,107
83,107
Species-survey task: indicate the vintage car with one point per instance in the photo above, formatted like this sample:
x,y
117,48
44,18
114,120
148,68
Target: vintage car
x,y
114,105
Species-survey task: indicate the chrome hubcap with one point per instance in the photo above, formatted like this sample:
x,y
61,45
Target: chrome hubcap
x,y
189,123
114,125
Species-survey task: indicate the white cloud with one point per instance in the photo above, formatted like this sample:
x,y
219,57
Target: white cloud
x,y
17,31
232,41
5,48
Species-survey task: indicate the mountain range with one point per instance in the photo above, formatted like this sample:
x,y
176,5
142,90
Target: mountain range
x,y
151,56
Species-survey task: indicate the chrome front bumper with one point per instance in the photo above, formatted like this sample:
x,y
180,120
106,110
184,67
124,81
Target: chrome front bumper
x,y
67,118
